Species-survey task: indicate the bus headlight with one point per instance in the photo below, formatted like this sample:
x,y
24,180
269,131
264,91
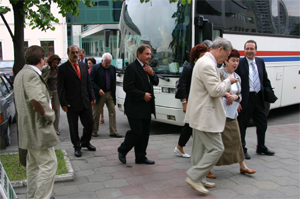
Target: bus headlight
x,y
168,90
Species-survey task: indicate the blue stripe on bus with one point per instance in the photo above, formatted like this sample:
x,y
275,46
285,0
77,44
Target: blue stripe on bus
x,y
280,59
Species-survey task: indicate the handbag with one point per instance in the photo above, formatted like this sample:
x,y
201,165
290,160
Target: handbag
x,y
269,95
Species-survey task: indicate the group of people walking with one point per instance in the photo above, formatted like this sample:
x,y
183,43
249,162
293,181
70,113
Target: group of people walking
x,y
218,103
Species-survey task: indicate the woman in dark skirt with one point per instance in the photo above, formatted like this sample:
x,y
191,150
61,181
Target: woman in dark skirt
x,y
233,152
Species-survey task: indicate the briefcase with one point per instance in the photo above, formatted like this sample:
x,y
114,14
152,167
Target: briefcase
x,y
270,95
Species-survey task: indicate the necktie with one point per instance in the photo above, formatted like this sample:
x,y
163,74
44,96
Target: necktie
x,y
255,78
145,71
76,67
107,80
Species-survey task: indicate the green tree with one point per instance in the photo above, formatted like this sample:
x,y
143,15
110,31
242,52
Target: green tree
x,y
37,12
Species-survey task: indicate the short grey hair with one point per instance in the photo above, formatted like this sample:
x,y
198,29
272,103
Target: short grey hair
x,y
217,43
207,43
106,56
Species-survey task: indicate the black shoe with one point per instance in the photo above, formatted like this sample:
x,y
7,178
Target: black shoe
x,y
117,135
52,197
247,156
90,147
77,153
145,162
266,152
122,158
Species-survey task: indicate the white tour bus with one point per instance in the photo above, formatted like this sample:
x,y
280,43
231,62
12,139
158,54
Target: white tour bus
x,y
172,29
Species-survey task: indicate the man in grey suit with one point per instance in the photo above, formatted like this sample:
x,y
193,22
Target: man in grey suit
x,y
35,125
206,115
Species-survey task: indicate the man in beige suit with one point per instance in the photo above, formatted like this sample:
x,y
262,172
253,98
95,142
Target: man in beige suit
x,y
35,125
206,115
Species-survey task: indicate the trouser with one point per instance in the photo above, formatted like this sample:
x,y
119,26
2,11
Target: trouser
x,y
41,170
56,108
256,110
86,119
206,151
185,135
137,137
97,108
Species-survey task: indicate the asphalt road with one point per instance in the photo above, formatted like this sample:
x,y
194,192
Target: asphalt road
x,y
280,116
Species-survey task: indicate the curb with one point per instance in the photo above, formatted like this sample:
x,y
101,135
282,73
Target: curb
x,y
58,178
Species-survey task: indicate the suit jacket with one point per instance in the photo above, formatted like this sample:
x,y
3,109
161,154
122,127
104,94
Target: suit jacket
x,y
84,61
46,72
136,84
205,110
98,80
243,72
184,83
73,91
35,131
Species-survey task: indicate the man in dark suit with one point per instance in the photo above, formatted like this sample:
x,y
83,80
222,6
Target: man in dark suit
x,y
103,79
139,105
76,96
82,56
254,77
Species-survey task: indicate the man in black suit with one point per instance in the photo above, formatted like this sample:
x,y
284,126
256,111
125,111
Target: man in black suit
x,y
139,105
76,96
254,77
82,56
103,79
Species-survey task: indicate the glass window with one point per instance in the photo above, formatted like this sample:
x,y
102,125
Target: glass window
x,y
3,87
7,83
48,46
289,17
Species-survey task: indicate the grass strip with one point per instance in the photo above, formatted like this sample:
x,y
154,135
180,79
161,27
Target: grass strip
x,y
15,171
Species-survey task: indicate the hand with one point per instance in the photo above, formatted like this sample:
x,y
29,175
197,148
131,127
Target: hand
x,y
184,106
230,99
232,80
147,97
101,92
93,102
64,108
149,70
239,108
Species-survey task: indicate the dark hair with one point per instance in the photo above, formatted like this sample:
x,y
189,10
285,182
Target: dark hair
x,y
53,57
141,48
197,50
251,41
34,54
82,50
92,60
68,50
234,53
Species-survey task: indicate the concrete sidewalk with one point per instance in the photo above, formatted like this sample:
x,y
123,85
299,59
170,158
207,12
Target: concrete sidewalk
x,y
101,175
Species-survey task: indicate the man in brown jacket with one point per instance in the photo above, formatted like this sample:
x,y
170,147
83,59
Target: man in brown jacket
x,y
35,125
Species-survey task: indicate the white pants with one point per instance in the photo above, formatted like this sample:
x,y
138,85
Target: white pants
x,y
41,170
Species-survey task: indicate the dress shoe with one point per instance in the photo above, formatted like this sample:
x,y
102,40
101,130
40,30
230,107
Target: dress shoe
x,y
52,197
146,161
247,156
211,175
117,135
247,170
266,152
196,185
209,184
95,134
122,158
57,133
178,153
90,147
77,153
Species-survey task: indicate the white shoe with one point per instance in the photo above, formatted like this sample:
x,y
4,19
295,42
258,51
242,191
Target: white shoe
x,y
209,184
196,185
177,152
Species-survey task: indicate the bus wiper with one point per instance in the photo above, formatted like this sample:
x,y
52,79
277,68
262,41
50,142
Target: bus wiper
x,y
164,78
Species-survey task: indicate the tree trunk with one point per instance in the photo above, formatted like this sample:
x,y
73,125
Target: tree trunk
x,y
18,39
19,60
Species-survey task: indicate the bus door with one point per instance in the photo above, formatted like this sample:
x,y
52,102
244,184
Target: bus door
x,y
205,30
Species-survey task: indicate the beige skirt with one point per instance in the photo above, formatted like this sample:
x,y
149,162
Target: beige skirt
x,y
233,150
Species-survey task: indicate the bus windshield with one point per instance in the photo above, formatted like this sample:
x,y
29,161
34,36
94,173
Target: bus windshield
x,y
165,26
